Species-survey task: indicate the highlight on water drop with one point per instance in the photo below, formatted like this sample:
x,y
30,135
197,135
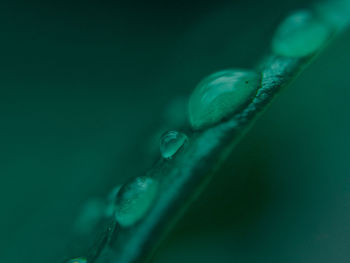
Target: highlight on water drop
x,y
171,142
134,199
301,34
220,95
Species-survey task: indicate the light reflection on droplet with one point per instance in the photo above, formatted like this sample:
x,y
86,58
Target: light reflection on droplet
x,y
171,142
220,95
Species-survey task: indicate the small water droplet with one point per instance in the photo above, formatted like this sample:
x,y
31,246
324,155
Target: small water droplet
x,y
134,200
220,95
301,34
171,142
77,260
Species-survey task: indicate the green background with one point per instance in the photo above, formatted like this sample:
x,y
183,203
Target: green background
x,y
84,86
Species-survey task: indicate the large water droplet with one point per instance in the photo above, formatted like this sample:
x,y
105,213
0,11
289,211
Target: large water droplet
x,y
171,142
134,200
220,95
77,260
301,34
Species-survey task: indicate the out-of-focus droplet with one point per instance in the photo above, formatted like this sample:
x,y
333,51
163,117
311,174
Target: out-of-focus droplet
x,y
77,260
220,95
171,142
134,200
335,13
301,34
90,215
110,206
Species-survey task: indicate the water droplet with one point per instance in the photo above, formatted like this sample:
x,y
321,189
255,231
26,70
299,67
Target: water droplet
x,y
220,95
335,13
171,142
77,260
134,200
301,34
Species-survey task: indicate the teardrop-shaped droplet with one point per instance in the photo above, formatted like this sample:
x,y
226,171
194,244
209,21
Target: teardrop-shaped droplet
x,y
220,95
301,34
134,200
171,142
77,260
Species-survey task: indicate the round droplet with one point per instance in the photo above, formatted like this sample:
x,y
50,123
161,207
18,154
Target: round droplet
x,y
301,34
220,95
134,200
171,142
77,260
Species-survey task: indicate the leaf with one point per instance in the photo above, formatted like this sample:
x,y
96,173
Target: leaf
x,y
183,178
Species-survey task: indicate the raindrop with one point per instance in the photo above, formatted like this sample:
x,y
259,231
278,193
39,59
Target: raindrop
x,y
134,200
171,142
220,95
301,34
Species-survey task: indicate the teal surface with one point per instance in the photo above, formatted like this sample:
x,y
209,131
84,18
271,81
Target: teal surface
x,y
83,88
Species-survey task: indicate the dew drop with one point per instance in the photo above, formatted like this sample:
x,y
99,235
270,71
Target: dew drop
x,y
301,34
220,95
171,142
77,260
134,200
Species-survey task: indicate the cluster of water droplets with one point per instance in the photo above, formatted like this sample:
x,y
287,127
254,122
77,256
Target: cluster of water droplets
x,y
215,98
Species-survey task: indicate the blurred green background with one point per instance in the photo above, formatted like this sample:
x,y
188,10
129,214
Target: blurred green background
x,y
83,87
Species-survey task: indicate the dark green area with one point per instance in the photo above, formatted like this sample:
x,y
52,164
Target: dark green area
x,y
83,85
